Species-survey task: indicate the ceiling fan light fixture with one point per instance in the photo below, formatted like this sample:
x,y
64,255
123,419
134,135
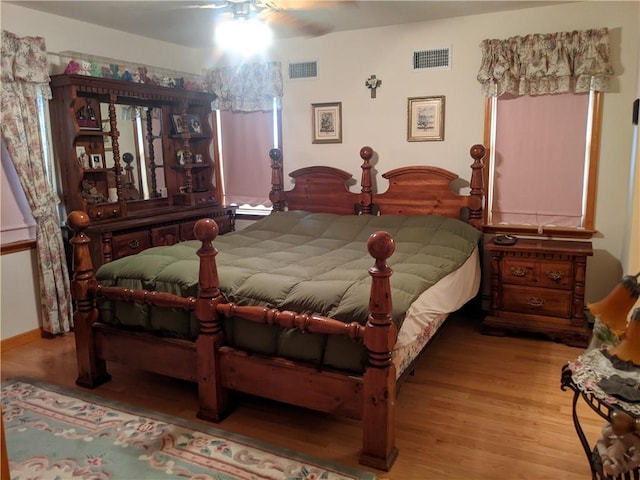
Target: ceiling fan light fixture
x,y
246,37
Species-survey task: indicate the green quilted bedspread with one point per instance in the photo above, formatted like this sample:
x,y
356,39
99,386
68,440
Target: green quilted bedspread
x,y
306,262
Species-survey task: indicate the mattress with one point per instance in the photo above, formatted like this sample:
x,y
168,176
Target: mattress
x,y
427,314
313,263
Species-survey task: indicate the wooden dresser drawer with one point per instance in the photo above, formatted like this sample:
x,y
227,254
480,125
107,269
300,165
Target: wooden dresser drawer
x,y
165,236
518,271
130,243
536,301
555,274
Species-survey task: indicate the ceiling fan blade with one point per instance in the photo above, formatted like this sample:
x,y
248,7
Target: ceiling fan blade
x,y
214,5
309,29
279,5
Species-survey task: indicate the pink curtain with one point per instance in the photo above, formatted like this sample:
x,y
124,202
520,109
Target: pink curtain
x,y
24,78
540,160
246,141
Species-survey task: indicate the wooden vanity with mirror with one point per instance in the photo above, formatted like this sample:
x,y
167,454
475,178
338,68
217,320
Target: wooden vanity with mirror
x,y
139,159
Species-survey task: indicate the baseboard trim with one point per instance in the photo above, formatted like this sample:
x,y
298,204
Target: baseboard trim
x,y
21,339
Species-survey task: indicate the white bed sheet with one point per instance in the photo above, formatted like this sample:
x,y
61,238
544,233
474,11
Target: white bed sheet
x,y
427,314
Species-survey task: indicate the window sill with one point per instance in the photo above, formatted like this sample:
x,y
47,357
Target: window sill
x,y
560,232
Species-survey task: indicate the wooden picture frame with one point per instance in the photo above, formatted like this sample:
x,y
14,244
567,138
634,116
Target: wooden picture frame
x,y
194,125
327,122
425,119
96,161
176,121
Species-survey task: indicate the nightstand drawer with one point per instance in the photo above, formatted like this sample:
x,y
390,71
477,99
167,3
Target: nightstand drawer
x,y
537,301
130,243
518,271
555,274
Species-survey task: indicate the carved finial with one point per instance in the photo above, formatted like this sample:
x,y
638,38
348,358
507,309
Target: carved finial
x,y
381,245
205,230
366,153
275,154
78,220
477,152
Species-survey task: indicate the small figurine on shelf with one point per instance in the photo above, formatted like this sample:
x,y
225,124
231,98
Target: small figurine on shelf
x,y
84,160
144,78
72,68
95,70
90,111
85,68
180,154
91,194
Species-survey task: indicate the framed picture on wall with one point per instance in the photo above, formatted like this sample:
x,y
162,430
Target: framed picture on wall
x,y
327,122
425,119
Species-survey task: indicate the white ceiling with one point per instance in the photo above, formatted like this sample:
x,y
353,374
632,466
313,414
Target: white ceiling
x,y
178,22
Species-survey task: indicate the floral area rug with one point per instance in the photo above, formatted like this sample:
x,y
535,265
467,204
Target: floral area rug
x,y
54,433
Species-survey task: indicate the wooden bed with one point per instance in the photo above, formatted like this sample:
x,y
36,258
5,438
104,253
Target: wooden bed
x,y
218,368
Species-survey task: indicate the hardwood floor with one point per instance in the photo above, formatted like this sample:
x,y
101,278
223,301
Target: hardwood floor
x,y
478,407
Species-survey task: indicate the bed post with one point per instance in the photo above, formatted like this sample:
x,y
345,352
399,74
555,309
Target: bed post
x,y
476,193
366,194
92,371
379,389
211,394
277,180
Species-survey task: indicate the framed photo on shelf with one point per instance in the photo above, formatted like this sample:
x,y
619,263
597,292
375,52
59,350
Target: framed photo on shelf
x,y
178,124
327,122
425,119
194,125
96,161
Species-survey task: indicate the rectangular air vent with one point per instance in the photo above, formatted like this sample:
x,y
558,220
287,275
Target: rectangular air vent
x,y
303,70
432,59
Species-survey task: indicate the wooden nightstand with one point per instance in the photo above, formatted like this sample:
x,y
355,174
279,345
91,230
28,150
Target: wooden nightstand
x,y
538,286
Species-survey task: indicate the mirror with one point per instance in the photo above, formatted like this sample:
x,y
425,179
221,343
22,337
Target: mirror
x,y
140,147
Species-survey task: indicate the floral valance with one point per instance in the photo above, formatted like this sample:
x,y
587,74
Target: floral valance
x,y
24,61
541,64
245,88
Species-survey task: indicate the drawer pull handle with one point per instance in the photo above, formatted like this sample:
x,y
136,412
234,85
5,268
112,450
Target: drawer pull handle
x,y
535,302
134,244
519,271
555,275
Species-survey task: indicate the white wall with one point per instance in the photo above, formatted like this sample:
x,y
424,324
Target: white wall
x,y
20,302
346,59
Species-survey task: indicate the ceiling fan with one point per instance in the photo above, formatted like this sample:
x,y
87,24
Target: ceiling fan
x,y
275,12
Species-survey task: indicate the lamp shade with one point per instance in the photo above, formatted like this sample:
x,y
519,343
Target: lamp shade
x,y
613,309
628,350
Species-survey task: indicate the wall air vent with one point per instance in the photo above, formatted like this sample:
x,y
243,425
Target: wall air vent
x,y
303,70
432,59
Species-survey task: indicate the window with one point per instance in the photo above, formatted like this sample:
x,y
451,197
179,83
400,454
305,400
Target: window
x,y
244,141
542,130
542,164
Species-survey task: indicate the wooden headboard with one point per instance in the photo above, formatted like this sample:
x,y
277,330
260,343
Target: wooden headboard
x,y
414,190
424,190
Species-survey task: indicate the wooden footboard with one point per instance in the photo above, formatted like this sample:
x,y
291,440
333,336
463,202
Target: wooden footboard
x,y
218,368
